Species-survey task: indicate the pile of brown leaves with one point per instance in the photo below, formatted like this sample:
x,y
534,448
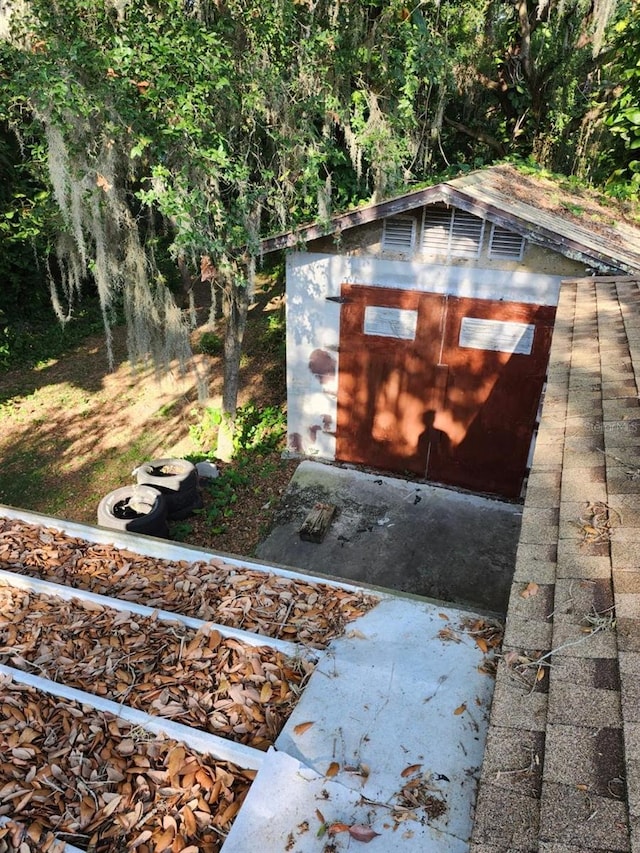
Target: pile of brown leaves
x,y
104,786
268,604
223,686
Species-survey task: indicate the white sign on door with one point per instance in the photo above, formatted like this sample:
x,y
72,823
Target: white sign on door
x,y
496,335
390,322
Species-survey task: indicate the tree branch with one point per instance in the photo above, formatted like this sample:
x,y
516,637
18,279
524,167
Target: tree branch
x,y
480,135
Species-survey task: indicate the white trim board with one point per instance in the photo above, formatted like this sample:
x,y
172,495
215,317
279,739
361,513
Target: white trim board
x,y
323,274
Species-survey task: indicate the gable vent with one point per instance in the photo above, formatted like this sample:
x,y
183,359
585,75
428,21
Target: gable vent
x,y
452,232
505,244
398,233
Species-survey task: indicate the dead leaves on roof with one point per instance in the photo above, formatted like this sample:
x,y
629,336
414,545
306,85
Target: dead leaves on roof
x,y
268,604
487,635
18,837
78,782
222,686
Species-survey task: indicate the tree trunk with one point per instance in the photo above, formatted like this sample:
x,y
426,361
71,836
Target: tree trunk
x,y
237,307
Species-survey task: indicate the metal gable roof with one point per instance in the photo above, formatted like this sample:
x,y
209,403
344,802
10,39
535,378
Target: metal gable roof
x,y
579,225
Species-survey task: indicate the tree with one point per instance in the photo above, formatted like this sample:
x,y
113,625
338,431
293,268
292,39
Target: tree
x,y
527,89
212,122
194,127
622,105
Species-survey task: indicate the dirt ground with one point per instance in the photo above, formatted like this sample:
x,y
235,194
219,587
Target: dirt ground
x,y
70,431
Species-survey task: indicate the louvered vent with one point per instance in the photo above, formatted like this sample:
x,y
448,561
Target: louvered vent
x,y
466,236
397,234
436,230
452,232
505,244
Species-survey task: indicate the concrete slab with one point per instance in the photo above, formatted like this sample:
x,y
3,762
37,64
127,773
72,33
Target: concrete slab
x,y
389,734
402,535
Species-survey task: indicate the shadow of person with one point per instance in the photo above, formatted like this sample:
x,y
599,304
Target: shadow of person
x,y
431,440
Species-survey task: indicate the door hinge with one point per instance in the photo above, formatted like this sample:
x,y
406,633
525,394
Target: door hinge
x,y
339,299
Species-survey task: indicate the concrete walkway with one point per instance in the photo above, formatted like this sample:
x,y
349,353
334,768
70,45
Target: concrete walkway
x,y
561,772
401,535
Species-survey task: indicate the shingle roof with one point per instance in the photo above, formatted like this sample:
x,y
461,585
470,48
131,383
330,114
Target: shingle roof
x,y
561,770
575,223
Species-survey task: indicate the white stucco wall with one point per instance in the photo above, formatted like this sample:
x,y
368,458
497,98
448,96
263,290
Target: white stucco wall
x,y
313,323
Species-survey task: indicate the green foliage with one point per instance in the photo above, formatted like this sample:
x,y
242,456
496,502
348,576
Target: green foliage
x,y
41,337
193,129
257,430
623,110
210,344
223,497
274,337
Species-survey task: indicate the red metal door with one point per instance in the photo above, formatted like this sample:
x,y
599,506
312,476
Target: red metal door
x,y
387,384
482,433
424,386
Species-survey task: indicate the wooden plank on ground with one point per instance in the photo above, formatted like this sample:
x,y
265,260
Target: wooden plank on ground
x,y
314,527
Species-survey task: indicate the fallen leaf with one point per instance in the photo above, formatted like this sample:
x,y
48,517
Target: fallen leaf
x,y
301,728
443,616
112,806
320,816
530,590
176,760
334,828
449,635
362,833
460,709
410,770
332,769
481,643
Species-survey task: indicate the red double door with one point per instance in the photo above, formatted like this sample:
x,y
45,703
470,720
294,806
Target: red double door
x,y
444,387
